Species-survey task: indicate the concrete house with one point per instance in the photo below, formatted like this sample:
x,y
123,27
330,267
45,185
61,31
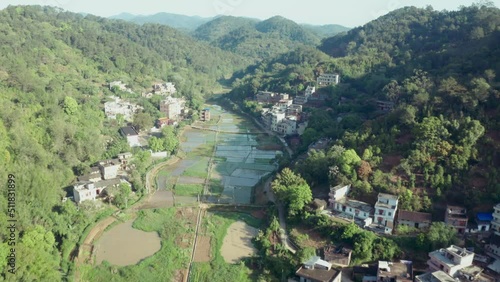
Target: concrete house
x,y
172,107
414,219
349,208
205,115
328,79
401,271
385,211
109,168
456,217
450,260
495,223
318,270
131,135
339,256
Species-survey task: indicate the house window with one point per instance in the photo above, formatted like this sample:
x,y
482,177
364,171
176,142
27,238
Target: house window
x,y
390,214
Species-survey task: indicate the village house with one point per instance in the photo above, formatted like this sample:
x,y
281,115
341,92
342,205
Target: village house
x,y
385,211
328,79
205,114
493,247
302,99
119,107
414,219
495,223
161,122
482,222
131,135
172,107
436,276
349,208
450,260
266,97
470,273
456,217
84,191
339,256
120,86
318,270
167,88
124,159
109,168
93,176
401,271
385,106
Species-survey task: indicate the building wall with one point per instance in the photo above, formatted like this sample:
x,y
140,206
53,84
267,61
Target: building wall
x,y
109,171
351,211
412,223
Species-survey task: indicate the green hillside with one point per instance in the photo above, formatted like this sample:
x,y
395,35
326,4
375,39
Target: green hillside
x,y
255,39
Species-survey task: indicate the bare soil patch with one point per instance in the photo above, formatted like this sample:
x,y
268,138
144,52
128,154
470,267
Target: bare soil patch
x,y
202,253
314,238
123,245
389,162
238,242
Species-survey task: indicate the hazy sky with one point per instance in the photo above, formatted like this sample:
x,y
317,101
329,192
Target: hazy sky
x,y
348,12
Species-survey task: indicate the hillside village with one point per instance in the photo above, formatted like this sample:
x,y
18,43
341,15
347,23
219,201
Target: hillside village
x,y
285,117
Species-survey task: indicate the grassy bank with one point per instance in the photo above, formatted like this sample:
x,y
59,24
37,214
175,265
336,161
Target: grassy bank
x,y
174,230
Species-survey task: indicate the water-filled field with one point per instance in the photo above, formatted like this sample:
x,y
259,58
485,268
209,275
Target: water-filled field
x,y
225,159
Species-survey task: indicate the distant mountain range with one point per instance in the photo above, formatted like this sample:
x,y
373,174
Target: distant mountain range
x,y
191,23
252,38
182,22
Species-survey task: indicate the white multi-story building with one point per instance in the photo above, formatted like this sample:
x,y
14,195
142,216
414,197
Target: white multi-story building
x,y
276,117
495,223
113,108
450,260
309,91
328,79
172,107
385,211
288,126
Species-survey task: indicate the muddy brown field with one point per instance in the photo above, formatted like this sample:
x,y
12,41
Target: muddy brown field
x,y
202,249
124,245
238,242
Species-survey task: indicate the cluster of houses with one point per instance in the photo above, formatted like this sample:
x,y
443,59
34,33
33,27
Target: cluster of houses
x,y
450,264
120,107
284,117
104,174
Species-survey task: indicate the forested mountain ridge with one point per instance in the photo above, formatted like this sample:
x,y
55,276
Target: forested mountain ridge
x,y
255,39
55,67
439,71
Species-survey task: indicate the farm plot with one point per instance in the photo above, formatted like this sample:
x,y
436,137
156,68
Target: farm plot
x,y
238,242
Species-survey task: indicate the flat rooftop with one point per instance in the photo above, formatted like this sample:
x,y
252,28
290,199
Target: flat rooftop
x,y
437,276
402,271
388,196
318,274
356,205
